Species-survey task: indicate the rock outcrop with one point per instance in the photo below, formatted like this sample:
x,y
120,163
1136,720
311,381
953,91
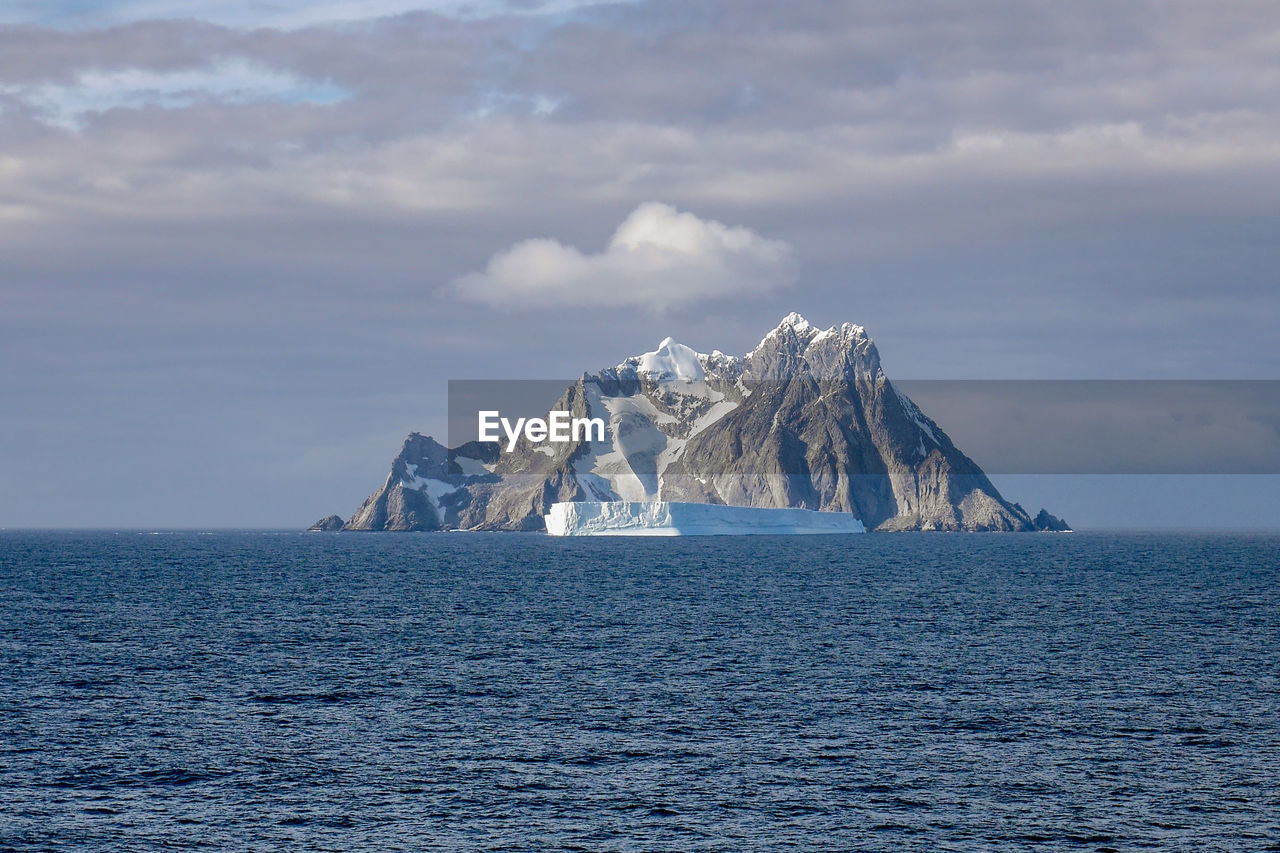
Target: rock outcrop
x,y
425,487
1050,523
329,522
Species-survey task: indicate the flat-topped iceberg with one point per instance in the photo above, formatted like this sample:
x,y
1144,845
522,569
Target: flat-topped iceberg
x,y
670,518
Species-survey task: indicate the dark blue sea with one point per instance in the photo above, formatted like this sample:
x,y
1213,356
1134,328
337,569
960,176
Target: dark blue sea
x,y
260,691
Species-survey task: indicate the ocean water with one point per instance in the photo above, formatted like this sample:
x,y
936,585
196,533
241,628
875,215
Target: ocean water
x,y
239,691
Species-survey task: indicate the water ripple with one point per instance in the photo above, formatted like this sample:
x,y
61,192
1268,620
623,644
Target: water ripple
x,y
261,691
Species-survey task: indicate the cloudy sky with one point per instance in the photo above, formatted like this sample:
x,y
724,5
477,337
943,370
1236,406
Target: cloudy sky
x,y
245,244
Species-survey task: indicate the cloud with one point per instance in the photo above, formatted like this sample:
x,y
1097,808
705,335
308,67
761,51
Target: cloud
x,y
230,81
1066,190
254,13
658,257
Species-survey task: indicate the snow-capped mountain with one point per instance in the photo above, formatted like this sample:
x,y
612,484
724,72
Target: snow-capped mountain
x,y
807,419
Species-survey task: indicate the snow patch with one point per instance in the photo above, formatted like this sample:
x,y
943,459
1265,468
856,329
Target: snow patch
x,y
638,404
672,360
473,467
715,413
433,489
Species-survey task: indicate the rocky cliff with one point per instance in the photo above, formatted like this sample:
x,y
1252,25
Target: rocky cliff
x,y
823,428
425,486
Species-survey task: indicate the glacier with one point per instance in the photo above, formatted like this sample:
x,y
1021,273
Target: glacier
x,y
674,518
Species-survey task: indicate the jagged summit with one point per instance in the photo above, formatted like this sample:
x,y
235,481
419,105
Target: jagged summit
x,y
793,331
807,419
796,346
797,322
796,334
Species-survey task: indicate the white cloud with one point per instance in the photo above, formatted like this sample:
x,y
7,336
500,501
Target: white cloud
x,y
289,14
231,80
658,257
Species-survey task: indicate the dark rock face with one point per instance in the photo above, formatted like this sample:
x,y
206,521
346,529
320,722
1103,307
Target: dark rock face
x,y
425,489
807,419
526,481
329,522
823,428
1050,523
403,502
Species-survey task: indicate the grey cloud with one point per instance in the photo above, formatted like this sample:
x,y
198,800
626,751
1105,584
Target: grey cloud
x,y
1009,65
996,191
289,15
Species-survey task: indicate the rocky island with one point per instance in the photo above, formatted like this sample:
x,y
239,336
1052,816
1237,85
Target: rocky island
x,y
806,420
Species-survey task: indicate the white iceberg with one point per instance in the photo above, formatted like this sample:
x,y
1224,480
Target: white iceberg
x,y
670,518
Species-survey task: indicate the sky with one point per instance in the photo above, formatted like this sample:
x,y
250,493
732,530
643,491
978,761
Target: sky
x,y
244,245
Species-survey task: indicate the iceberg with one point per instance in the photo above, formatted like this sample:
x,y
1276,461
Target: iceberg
x,y
671,518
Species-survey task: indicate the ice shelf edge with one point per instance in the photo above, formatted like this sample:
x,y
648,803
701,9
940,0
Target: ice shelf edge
x,y
670,518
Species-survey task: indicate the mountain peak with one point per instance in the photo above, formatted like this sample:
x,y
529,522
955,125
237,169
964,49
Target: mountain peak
x,y
795,321
793,334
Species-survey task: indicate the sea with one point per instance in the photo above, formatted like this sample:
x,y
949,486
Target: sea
x,y
469,691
